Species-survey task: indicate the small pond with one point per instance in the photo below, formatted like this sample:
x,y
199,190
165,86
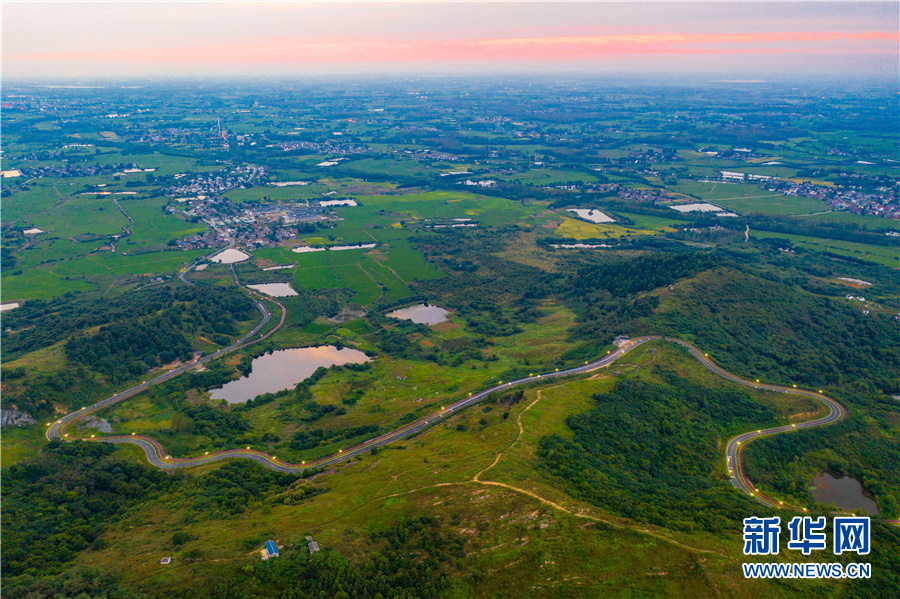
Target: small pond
x,y
229,256
421,314
846,493
275,289
284,369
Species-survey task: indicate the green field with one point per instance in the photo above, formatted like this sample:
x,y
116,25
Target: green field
x,y
889,256
96,271
747,198
547,176
152,228
373,275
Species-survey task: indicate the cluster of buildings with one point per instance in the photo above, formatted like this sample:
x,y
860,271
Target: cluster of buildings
x,y
430,155
884,202
320,148
251,224
80,170
648,195
214,184
740,177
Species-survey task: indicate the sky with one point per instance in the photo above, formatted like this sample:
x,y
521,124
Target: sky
x,y
178,39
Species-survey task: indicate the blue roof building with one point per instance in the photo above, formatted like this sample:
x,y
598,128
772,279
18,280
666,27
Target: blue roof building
x,y
271,549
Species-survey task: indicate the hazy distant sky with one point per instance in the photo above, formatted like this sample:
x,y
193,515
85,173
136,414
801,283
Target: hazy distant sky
x,y
83,39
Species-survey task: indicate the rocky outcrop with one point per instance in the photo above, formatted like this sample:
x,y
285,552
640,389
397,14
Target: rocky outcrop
x,y
101,424
15,418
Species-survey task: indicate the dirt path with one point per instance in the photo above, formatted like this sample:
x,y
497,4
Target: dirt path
x,y
579,513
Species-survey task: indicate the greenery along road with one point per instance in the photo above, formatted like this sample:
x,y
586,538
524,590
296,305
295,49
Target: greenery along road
x,y
157,455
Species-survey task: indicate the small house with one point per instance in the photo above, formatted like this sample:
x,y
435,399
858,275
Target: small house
x,y
271,549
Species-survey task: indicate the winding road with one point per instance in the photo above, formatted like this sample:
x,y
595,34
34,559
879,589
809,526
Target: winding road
x,y
157,456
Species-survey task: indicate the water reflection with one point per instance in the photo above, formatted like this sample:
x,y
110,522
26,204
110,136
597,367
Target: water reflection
x,y
275,289
284,369
846,493
421,314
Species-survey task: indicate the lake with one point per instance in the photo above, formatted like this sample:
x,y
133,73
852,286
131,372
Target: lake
x,y
284,369
421,314
846,493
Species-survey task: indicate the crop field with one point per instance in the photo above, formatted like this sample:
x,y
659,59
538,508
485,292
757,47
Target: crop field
x,y
152,228
485,210
82,214
164,164
642,221
109,263
874,223
547,176
88,272
40,282
48,249
382,273
382,166
40,196
747,199
578,229
275,194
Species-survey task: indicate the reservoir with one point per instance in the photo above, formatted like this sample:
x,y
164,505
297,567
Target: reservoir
x,y
846,493
421,314
284,369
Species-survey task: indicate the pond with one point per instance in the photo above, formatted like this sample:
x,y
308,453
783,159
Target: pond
x,y
846,493
421,314
595,216
275,289
284,369
229,256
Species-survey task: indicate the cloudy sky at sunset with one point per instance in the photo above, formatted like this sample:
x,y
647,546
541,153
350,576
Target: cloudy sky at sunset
x,y
73,39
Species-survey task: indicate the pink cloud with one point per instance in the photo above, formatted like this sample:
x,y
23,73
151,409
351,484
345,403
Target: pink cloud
x,y
335,51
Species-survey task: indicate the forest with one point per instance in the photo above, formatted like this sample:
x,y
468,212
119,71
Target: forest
x,y
41,323
649,451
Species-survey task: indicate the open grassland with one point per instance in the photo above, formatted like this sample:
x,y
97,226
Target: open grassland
x,y
887,255
18,444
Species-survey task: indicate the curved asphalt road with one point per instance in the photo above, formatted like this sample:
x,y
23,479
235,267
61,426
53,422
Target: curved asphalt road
x,y
157,456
